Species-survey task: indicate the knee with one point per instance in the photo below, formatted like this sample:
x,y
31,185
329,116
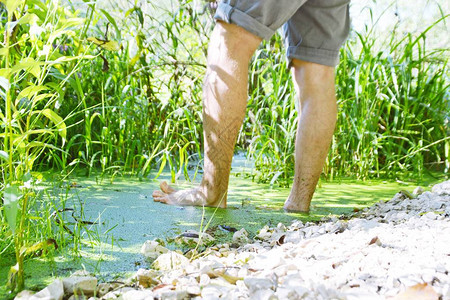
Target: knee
x,y
232,41
311,73
314,81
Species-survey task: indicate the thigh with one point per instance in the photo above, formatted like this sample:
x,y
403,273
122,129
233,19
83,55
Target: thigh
x,y
260,17
317,30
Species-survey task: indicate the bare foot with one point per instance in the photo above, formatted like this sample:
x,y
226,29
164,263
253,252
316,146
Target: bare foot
x,y
190,197
294,206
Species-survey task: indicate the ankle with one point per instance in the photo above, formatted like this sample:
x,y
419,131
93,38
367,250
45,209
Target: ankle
x,y
214,197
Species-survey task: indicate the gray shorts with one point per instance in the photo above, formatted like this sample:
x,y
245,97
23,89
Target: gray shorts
x,y
314,30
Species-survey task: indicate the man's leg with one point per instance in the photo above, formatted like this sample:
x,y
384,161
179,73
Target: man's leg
x,y
225,99
315,86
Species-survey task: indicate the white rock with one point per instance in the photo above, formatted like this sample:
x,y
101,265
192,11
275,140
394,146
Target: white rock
x,y
254,283
81,285
294,236
286,293
265,294
118,293
192,236
418,191
193,290
54,291
169,261
281,227
174,295
442,188
211,292
152,249
360,293
446,292
361,224
241,236
430,216
138,295
104,288
24,295
204,280
264,233
146,278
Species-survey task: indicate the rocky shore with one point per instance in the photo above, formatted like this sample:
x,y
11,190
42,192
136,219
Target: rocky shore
x,y
399,249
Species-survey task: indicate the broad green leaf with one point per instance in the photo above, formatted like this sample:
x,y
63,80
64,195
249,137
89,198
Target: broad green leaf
x,y
65,23
161,168
113,22
4,155
39,247
134,60
30,65
9,26
38,3
138,12
64,59
12,5
12,277
3,51
41,96
4,72
107,45
4,83
57,120
29,92
28,19
38,131
40,145
11,196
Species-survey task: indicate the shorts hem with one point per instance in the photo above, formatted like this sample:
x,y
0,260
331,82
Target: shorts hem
x,y
320,56
231,15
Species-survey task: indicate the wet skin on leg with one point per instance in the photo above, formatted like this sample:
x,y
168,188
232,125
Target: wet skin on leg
x,y
315,85
224,102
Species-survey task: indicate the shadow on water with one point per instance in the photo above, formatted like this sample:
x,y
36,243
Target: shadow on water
x,y
126,216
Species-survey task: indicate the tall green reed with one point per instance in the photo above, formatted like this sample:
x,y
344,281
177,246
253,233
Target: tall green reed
x,y
139,108
32,56
393,111
394,108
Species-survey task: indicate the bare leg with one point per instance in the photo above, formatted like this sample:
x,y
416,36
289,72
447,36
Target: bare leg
x,y
225,99
318,112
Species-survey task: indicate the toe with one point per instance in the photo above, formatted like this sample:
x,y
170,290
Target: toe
x,y
159,196
166,188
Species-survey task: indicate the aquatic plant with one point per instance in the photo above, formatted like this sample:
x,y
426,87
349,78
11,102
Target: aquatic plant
x,y
34,70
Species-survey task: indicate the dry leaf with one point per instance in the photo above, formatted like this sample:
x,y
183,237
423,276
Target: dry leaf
x,y
420,291
375,240
105,44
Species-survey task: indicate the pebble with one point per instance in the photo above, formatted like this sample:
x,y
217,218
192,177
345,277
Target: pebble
x,y
241,237
169,261
80,285
24,295
146,278
152,249
55,291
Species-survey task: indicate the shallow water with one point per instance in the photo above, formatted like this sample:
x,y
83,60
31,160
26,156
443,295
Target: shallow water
x,y
126,217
